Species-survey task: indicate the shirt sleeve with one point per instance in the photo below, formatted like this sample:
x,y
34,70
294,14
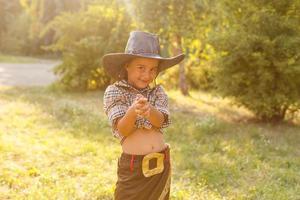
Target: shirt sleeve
x,y
114,105
161,104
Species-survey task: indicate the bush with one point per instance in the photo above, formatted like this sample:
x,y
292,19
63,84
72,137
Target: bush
x,y
83,38
200,72
258,64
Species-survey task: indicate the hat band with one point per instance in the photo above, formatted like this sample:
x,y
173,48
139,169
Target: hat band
x,y
150,55
141,51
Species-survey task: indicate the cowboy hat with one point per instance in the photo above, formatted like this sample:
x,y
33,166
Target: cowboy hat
x,y
140,44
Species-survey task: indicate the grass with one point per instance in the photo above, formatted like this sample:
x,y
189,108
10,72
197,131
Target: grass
x,y
4,58
56,145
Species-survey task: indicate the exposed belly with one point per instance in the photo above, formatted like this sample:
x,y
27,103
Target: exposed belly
x,y
144,141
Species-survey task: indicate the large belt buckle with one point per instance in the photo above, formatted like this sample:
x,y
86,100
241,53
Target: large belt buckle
x,y
159,166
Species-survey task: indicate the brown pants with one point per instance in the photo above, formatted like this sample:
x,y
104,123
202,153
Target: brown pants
x,y
144,177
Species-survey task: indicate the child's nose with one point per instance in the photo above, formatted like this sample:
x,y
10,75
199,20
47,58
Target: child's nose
x,y
147,75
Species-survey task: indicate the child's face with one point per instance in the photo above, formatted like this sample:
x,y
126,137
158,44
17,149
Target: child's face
x,y
142,71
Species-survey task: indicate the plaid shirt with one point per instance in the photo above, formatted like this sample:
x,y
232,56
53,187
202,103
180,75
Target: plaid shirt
x,y
119,96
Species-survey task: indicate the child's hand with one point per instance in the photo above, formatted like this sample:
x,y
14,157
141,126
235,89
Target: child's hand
x,y
142,106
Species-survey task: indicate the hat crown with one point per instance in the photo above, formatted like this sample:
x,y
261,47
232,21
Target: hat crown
x,y
141,42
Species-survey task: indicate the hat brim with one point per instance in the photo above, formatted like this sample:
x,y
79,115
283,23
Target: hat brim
x,y
114,62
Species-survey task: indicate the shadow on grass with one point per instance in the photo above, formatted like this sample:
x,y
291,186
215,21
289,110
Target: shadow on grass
x,y
235,156
74,111
229,156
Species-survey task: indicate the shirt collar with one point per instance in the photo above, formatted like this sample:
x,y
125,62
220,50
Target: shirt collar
x,y
125,83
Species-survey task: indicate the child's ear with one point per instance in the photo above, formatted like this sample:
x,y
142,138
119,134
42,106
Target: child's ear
x,y
126,67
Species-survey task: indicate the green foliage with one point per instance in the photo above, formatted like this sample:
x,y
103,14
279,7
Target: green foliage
x,y
22,22
40,13
200,71
12,27
200,77
83,38
15,39
258,45
181,25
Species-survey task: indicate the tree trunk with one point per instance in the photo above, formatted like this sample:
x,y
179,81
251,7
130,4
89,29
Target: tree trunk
x,y
182,79
278,114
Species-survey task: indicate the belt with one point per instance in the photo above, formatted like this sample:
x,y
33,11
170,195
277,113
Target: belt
x,y
159,157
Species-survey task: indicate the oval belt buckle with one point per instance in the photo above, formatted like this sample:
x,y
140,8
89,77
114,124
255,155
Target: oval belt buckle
x,y
159,166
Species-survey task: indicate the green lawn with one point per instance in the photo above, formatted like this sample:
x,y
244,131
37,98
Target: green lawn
x,y
22,59
56,145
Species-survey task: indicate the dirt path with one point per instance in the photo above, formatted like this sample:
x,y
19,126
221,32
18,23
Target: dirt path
x,y
27,74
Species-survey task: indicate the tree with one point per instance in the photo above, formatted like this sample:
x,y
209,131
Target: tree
x,y
83,38
2,22
174,20
41,12
9,10
258,64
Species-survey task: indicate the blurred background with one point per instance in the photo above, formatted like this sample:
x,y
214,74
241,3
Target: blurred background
x,y
245,50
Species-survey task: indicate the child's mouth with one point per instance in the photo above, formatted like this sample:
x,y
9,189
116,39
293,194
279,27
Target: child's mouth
x,y
145,82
